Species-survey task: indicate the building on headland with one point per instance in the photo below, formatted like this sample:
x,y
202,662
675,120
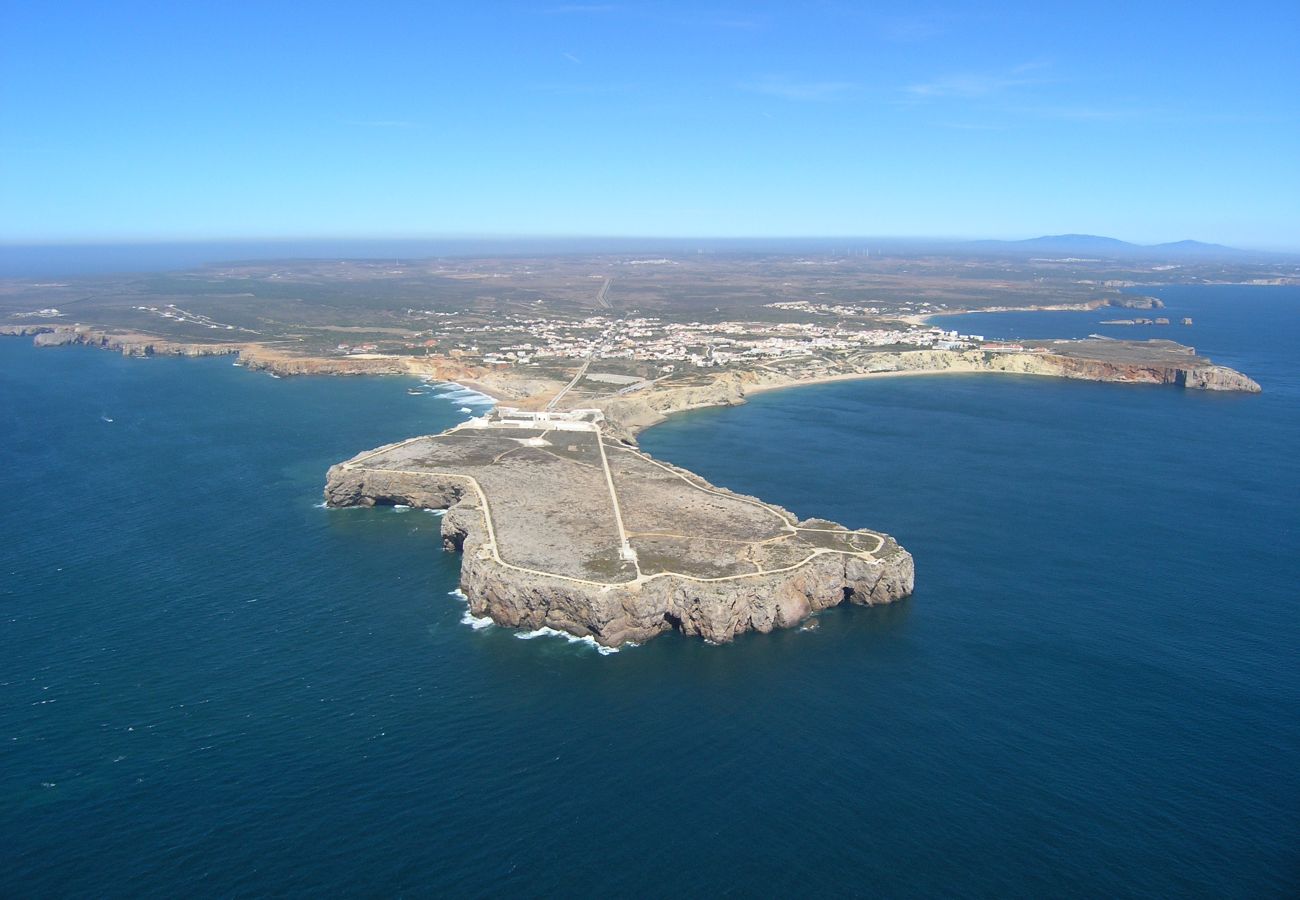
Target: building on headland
x,y
560,420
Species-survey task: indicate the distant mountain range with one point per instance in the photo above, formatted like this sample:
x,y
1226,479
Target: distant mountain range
x,y
1092,246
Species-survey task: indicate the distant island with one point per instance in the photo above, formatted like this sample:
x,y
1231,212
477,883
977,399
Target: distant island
x,y
564,522
1080,245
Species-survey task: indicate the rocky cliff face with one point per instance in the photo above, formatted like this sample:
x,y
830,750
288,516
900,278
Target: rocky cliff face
x,y
614,614
1129,301
126,344
630,414
635,412
1219,378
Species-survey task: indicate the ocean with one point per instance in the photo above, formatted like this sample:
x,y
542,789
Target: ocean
x,y
211,686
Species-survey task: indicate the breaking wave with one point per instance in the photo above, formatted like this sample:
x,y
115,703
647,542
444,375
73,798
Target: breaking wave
x,y
478,623
466,397
544,631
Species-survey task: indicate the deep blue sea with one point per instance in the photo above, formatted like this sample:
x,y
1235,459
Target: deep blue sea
x,y
209,686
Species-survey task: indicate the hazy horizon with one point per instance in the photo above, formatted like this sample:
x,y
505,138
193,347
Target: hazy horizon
x,y
36,260
194,123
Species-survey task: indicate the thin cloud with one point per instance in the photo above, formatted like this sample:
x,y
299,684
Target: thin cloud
x,y
571,58
976,84
805,91
1084,113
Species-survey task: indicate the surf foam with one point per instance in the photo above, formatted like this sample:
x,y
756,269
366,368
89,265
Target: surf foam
x,y
545,631
458,393
478,623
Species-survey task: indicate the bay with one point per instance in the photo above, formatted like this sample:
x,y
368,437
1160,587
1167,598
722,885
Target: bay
x,y
209,685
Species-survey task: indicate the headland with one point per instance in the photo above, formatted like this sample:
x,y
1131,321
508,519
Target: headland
x,y
563,521
563,527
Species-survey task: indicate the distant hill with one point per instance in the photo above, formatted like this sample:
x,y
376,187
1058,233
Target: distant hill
x,y
1092,245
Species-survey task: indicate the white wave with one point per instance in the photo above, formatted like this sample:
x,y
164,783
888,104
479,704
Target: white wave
x,y
478,623
400,507
321,505
450,390
544,631
464,409
436,512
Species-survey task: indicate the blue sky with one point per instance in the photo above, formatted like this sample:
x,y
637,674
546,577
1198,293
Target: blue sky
x,y
178,121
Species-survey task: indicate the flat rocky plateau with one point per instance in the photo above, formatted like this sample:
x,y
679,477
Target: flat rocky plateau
x,y
562,527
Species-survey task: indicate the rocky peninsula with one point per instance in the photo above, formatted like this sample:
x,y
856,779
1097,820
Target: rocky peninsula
x,y
565,523
563,527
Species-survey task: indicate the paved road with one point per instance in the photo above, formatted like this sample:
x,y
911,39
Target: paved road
x,y
600,295
576,378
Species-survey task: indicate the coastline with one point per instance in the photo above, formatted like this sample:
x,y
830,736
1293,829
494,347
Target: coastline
x,y
628,415
859,376
924,318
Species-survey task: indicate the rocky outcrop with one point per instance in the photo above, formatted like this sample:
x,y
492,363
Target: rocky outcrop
x,y
128,344
635,412
275,362
635,610
1218,378
1129,301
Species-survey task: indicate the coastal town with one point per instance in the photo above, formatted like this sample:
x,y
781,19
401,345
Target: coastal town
x,y
530,341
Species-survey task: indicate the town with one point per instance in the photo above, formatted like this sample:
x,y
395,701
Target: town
x,y
521,340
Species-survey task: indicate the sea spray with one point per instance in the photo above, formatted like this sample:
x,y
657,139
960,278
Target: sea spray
x,y
589,641
478,623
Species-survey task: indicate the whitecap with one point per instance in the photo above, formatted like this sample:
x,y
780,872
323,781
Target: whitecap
x,y
464,409
436,512
478,623
321,505
400,507
545,631
450,390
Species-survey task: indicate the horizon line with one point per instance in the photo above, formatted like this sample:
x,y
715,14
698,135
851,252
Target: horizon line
x,y
126,242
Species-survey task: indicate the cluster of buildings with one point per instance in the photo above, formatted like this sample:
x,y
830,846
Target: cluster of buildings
x,y
525,341
176,314
845,311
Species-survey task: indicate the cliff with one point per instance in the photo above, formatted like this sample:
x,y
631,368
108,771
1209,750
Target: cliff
x,y
1149,362
700,559
128,344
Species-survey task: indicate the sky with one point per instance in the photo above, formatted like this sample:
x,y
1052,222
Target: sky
x,y
130,121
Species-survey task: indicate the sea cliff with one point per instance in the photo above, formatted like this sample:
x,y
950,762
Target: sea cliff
x,y
640,605
634,412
